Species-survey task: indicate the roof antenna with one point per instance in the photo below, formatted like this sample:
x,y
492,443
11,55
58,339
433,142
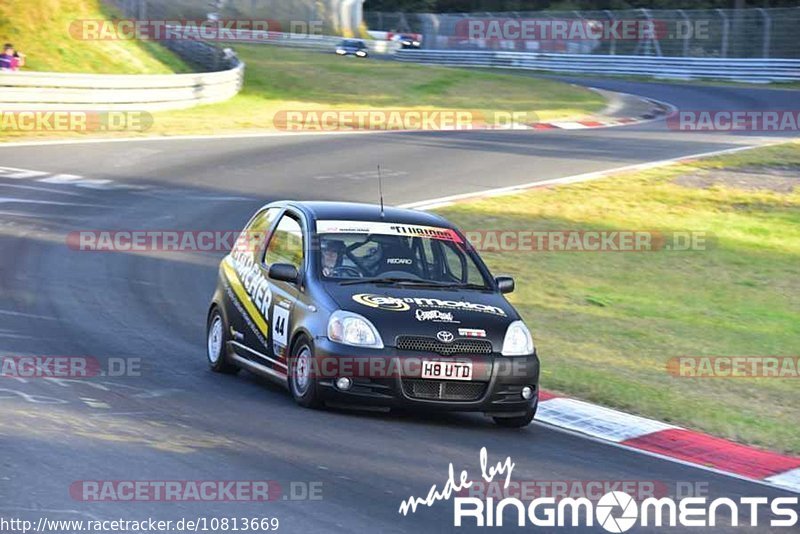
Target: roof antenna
x,y
380,189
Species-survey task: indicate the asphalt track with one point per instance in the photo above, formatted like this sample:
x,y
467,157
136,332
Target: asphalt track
x,y
178,421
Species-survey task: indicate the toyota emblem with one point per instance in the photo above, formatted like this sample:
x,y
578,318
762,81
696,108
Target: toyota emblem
x,y
445,337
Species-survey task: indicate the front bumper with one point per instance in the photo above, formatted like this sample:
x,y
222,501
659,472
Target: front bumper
x,y
391,378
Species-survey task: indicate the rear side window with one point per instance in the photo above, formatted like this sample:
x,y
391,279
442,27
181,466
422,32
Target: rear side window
x,y
286,243
254,236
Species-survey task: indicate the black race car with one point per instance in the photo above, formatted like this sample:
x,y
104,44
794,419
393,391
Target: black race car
x,y
351,305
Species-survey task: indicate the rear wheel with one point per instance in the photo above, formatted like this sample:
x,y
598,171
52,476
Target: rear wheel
x,y
516,422
302,380
217,344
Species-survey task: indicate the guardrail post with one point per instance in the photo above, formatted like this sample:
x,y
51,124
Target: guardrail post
x,y
611,18
651,41
767,28
687,31
726,26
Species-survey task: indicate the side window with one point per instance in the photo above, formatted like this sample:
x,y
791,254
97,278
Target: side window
x,y
430,257
459,267
286,243
252,238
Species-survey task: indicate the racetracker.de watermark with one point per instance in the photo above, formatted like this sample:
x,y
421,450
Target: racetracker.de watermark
x,y
164,240
401,119
727,120
734,366
410,367
75,121
543,30
242,30
194,490
67,367
588,240
593,490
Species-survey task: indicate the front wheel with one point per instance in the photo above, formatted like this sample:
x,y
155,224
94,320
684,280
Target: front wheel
x,y
302,379
516,422
217,344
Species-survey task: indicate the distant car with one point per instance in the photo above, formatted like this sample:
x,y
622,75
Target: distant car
x,y
408,41
352,47
351,305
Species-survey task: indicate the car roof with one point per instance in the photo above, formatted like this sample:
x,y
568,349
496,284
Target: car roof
x,y
355,211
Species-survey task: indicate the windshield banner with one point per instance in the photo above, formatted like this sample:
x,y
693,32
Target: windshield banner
x,y
387,228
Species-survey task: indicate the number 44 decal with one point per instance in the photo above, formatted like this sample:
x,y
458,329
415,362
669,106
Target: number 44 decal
x,y
280,327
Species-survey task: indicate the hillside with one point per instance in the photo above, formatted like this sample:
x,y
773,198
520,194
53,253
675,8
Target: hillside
x,y
41,30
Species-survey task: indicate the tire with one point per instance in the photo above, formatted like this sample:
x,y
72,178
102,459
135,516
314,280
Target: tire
x,y
217,337
302,382
515,422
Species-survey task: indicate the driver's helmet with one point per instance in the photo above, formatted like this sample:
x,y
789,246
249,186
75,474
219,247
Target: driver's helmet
x,y
332,245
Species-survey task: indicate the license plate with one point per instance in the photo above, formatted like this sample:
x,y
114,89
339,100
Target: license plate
x,y
447,370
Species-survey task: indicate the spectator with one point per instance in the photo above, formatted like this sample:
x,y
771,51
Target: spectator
x,y
11,59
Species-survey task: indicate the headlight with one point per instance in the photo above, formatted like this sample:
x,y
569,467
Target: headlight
x,y
353,329
518,340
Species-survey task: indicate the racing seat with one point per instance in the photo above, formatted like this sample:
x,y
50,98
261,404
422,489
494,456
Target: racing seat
x,y
399,258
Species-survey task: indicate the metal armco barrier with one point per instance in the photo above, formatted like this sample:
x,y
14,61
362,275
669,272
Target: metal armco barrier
x,y
100,92
324,43
687,68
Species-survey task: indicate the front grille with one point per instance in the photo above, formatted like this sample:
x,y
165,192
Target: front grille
x,y
443,390
458,346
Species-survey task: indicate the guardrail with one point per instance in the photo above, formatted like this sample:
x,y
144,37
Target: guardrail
x,y
325,43
687,68
127,92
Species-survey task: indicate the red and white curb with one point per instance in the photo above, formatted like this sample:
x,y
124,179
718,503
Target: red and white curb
x,y
657,111
584,124
669,441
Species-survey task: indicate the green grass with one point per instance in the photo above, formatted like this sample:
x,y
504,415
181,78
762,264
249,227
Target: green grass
x,y
41,30
283,79
607,323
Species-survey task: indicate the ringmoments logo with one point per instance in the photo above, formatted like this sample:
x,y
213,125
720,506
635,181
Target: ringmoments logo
x,y
615,511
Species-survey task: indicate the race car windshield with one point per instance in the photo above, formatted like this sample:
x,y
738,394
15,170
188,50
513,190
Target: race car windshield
x,y
398,259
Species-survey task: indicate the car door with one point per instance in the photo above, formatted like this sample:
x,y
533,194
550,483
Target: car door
x,y
247,250
286,245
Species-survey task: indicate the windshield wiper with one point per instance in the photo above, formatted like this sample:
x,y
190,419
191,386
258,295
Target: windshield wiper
x,y
412,282
458,285
388,280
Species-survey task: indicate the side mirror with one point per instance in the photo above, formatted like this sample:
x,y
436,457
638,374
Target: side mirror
x,y
505,284
283,272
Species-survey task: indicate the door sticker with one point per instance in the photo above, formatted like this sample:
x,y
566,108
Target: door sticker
x,y
280,325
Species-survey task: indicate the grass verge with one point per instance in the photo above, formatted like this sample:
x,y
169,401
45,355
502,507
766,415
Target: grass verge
x,y
41,30
282,79
607,323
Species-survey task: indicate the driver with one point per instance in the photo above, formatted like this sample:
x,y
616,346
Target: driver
x,y
332,251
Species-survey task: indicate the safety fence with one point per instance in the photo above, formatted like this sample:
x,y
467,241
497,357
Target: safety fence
x,y
335,17
745,70
723,33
